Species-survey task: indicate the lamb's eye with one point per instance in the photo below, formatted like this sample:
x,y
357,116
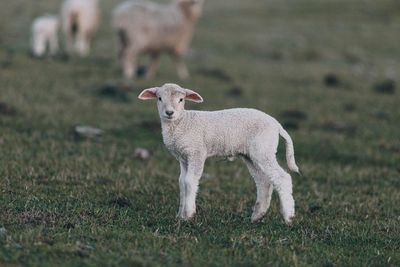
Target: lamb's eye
x,y
159,99
180,100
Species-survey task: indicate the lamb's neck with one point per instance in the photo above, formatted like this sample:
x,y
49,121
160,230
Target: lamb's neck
x,y
170,128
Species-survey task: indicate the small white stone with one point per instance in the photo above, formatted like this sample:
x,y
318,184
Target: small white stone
x,y
141,153
88,131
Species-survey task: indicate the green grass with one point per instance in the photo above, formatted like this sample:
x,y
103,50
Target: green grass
x,y
58,194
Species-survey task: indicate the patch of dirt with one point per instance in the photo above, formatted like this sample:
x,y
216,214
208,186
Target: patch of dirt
x,y
217,74
311,55
385,87
6,109
314,208
235,91
349,107
141,71
290,125
120,201
294,114
331,80
114,91
291,118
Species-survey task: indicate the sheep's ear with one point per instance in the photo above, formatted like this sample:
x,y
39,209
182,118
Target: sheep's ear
x,y
193,96
147,94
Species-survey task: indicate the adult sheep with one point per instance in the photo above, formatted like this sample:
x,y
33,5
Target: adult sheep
x,y
146,27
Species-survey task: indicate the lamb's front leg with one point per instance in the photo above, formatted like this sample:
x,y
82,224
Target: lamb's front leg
x,y
193,175
182,188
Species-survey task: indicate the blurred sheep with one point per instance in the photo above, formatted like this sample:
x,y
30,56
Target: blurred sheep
x,y
45,35
146,27
80,19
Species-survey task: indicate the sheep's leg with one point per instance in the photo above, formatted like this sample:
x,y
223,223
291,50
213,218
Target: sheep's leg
x,y
53,44
69,41
82,44
182,189
154,61
193,175
128,61
39,45
282,183
181,68
264,191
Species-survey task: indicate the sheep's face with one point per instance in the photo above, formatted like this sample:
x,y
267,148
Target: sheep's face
x,y
193,9
170,100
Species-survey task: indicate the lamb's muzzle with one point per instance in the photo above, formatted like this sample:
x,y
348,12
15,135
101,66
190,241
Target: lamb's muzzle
x,y
193,136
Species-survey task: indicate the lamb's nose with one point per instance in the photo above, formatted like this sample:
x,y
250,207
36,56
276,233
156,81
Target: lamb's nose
x,y
169,113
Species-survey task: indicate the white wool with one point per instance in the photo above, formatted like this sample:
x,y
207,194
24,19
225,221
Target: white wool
x,y
146,27
80,20
193,136
45,35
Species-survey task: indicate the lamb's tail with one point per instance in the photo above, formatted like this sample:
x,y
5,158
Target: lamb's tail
x,y
289,150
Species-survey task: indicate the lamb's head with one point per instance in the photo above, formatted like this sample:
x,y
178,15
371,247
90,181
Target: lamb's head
x,y
191,8
170,100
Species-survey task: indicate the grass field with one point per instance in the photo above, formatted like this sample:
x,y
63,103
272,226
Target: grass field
x,y
317,66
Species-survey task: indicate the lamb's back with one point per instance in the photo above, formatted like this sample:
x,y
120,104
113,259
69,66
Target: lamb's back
x,y
227,132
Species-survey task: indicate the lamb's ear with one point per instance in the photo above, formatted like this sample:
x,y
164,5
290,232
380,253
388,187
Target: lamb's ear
x,y
147,94
193,96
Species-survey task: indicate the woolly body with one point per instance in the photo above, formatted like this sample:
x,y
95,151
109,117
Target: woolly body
x,y
146,27
45,35
193,136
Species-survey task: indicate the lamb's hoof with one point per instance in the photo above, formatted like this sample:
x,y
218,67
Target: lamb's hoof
x,y
289,221
256,217
186,216
258,212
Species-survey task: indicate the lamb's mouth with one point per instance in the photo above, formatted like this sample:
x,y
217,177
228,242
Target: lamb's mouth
x,y
169,118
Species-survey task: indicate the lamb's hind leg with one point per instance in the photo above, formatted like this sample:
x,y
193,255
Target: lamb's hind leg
x,y
264,191
282,183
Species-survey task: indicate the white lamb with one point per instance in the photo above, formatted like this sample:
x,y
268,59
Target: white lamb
x,y
80,19
45,35
146,27
193,136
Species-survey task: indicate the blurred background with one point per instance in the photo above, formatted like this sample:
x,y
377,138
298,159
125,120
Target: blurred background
x,y
327,70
